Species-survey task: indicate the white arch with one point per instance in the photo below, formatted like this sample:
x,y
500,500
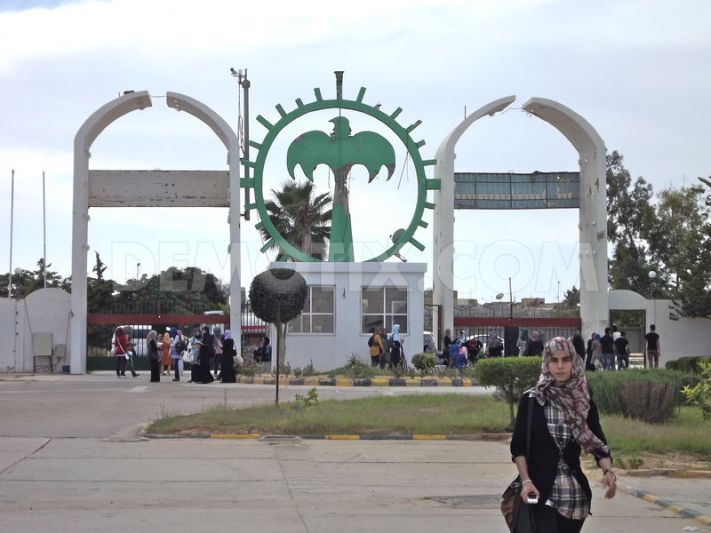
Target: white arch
x,y
443,224
85,137
594,309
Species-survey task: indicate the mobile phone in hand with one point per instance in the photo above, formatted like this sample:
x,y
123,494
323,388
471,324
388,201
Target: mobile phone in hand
x,y
531,498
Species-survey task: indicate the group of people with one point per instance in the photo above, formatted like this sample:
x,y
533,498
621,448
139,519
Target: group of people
x,y
207,353
386,350
611,351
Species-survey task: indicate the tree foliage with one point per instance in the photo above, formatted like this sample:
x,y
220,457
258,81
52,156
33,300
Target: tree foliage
x,y
512,375
301,218
668,233
26,281
278,296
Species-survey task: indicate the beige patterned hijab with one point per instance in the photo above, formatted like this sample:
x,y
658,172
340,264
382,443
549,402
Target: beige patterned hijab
x,y
571,397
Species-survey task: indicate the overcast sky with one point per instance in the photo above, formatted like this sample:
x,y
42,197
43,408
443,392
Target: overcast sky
x,y
638,71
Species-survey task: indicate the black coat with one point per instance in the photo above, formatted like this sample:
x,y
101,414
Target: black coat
x,y
544,454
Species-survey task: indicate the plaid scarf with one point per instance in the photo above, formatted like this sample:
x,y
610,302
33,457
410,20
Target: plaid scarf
x,y
571,397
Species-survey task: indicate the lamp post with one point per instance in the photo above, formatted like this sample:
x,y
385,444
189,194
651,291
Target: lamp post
x,y
652,275
138,265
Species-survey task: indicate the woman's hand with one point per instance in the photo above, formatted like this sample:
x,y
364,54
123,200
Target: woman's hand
x,y
609,480
526,489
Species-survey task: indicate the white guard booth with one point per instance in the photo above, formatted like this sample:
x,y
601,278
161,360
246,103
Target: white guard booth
x,y
345,301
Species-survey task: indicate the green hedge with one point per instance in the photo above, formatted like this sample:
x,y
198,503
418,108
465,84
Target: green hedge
x,y
651,395
687,364
424,362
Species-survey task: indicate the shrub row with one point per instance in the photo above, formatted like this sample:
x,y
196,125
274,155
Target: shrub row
x,y
651,395
688,364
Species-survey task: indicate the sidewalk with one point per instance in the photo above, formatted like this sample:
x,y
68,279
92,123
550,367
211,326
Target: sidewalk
x,y
79,463
281,485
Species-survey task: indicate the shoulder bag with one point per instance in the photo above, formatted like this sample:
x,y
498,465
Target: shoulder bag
x,y
517,514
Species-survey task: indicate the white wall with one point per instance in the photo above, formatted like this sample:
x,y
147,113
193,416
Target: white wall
x,y
679,338
43,311
8,360
331,350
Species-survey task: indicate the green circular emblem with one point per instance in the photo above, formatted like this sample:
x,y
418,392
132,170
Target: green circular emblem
x,y
340,151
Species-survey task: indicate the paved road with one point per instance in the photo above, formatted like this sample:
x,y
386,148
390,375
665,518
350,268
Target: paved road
x,y
71,460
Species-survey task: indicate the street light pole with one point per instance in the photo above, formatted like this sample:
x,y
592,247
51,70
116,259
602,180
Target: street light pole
x,y
510,301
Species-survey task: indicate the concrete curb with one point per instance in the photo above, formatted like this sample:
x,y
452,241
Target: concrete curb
x,y
340,436
670,506
375,381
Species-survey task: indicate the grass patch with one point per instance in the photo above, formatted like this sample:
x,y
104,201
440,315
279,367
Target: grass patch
x,y
432,414
448,414
686,434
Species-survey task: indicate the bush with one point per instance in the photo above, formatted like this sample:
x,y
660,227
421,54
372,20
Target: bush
x,y
700,393
688,364
513,376
650,401
357,368
424,362
607,389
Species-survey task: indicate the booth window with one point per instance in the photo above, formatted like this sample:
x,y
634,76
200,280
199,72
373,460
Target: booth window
x,y
382,307
318,313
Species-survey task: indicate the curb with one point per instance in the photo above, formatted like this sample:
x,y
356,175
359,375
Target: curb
x,y
375,381
338,436
670,506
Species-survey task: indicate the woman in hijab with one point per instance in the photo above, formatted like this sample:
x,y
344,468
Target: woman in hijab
x,y
227,371
165,353
153,356
195,345
206,354
564,421
395,346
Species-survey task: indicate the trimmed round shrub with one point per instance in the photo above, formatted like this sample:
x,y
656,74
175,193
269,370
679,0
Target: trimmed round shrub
x,y
513,376
424,362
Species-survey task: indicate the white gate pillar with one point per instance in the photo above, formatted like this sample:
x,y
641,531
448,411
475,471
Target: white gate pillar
x,y
594,305
443,224
85,137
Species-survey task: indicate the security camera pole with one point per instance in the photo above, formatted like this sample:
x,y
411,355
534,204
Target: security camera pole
x,y
243,132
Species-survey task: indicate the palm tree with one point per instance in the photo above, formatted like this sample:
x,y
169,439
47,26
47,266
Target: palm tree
x,y
300,218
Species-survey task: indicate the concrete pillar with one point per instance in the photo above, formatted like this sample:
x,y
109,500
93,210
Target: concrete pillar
x,y
443,225
594,306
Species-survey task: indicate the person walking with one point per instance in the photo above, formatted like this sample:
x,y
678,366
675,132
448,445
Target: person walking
x,y
177,346
607,346
377,348
194,345
217,350
165,353
206,354
227,371
153,355
563,421
534,346
654,347
622,349
395,344
121,346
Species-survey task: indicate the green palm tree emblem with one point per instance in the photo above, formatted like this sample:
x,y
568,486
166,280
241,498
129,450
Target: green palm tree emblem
x,y
340,151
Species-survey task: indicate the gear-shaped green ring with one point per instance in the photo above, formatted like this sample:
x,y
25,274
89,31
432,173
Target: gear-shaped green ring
x,y
413,148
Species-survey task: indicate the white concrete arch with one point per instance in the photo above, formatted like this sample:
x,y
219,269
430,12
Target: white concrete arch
x,y
443,223
594,308
592,225
85,137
